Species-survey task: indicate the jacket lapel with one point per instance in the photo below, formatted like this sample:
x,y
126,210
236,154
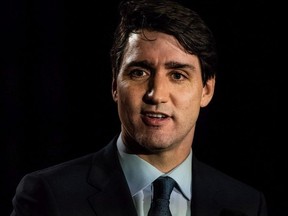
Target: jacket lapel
x,y
113,195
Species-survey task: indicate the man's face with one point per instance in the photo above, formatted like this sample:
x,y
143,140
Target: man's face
x,y
159,93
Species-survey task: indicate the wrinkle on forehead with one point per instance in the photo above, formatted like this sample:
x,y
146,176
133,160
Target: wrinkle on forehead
x,y
147,43
152,36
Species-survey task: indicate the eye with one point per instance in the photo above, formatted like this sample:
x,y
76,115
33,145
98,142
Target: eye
x,y
138,74
178,76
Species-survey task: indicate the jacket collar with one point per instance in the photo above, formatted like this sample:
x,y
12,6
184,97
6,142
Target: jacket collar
x,y
113,196
204,190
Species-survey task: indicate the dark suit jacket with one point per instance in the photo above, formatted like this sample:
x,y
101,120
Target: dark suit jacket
x,y
95,185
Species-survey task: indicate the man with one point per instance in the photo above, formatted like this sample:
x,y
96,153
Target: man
x,y
164,69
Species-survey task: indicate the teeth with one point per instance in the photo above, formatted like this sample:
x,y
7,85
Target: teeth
x,y
156,115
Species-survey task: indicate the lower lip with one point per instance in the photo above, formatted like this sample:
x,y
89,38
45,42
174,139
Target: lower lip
x,y
154,122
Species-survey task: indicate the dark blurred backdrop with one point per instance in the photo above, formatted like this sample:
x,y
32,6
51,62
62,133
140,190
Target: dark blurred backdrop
x,y
56,100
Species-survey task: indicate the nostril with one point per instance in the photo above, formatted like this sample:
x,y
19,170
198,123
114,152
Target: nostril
x,y
157,90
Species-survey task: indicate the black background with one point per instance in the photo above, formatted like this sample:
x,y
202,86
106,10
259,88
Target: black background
x,y
56,100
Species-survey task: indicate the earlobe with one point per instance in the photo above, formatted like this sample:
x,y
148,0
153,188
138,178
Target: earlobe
x,y
208,92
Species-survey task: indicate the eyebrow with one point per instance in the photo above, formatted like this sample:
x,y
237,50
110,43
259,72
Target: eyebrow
x,y
144,64
178,65
170,65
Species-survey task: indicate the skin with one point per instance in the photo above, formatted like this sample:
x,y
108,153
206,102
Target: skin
x,y
159,93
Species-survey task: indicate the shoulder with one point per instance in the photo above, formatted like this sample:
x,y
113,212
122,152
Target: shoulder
x,y
224,191
63,174
221,181
80,165
63,179
57,185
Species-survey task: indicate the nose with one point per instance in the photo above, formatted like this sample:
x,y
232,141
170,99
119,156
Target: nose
x,y
158,90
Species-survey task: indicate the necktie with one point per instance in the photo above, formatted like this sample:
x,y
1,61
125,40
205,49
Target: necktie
x,y
162,188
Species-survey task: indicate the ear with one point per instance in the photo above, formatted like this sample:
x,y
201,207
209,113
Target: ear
x,y
208,92
114,90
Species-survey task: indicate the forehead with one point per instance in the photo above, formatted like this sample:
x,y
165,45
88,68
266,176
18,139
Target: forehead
x,y
152,38
156,47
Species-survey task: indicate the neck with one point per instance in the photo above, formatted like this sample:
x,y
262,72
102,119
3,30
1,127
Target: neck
x,y
167,160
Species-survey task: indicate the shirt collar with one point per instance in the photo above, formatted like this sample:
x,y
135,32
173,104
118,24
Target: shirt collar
x,y
182,174
140,174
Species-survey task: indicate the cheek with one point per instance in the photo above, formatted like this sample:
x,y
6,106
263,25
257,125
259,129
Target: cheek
x,y
189,104
129,107
188,99
128,99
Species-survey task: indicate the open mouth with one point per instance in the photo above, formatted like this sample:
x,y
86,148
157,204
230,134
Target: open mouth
x,y
156,115
155,119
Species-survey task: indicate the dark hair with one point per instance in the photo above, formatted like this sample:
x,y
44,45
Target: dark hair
x,y
168,17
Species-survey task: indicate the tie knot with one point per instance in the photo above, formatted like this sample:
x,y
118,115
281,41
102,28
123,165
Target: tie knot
x,y
163,187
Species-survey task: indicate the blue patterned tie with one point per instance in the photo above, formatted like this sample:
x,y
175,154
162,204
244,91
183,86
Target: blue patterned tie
x,y
162,187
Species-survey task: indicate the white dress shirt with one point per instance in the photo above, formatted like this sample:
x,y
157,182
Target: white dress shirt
x,y
140,176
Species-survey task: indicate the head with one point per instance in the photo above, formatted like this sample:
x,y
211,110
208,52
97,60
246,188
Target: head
x,y
167,17
163,63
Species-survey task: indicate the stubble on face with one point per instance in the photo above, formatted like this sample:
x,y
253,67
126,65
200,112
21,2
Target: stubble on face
x,y
141,133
